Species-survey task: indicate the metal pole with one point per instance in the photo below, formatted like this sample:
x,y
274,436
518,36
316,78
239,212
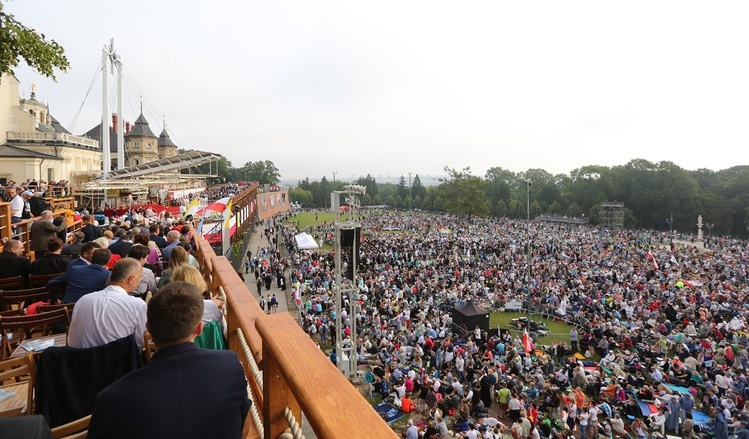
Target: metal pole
x,y
528,254
410,198
106,161
120,119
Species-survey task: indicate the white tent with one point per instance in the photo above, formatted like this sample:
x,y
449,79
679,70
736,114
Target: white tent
x,y
305,241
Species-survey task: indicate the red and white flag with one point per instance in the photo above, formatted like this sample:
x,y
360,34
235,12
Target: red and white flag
x,y
527,342
652,258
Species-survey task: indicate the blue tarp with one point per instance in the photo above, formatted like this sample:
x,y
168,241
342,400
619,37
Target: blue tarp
x,y
391,413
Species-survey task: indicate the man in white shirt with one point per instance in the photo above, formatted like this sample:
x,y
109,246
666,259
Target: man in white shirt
x,y
16,204
110,314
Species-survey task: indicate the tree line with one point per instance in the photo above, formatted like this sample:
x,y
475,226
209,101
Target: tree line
x,y
658,196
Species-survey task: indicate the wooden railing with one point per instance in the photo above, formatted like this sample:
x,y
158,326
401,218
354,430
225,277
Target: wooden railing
x,y
287,373
22,230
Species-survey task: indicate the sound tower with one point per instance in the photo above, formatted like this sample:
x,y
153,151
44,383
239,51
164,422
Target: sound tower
x,y
348,238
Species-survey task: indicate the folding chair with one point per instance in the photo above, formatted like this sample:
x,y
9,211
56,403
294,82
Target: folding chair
x,y
72,430
16,369
23,298
25,325
40,280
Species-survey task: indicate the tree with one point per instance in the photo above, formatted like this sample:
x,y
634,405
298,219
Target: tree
x,y
301,196
370,183
264,172
462,193
18,41
418,189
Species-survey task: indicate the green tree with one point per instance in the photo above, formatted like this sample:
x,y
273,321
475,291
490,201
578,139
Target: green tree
x,y
417,188
462,193
499,188
301,196
262,171
371,184
20,42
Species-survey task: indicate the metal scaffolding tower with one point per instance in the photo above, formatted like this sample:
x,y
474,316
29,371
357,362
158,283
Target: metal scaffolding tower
x,y
612,215
345,282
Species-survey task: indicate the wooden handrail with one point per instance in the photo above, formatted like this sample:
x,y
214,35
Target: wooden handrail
x,y
295,373
332,405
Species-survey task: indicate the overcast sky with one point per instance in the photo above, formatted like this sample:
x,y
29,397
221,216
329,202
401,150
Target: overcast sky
x,y
392,87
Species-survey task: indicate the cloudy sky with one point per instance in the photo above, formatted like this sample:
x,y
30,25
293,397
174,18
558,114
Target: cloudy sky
x,y
392,87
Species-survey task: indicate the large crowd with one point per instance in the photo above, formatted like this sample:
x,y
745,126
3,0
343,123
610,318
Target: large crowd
x,y
657,341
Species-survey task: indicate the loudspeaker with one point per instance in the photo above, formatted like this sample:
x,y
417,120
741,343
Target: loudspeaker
x,y
349,236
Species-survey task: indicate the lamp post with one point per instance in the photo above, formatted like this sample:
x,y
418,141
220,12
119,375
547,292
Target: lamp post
x,y
410,200
528,255
709,227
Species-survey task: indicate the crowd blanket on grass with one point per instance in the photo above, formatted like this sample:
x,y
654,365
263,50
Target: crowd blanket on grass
x,y
389,413
646,408
678,389
700,417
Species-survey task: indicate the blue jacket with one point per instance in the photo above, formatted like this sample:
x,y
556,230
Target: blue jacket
x,y
80,280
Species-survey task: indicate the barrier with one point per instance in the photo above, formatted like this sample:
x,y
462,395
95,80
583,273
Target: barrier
x,y
287,374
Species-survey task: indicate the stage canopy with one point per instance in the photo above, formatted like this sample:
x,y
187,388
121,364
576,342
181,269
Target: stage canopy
x,y
470,316
305,241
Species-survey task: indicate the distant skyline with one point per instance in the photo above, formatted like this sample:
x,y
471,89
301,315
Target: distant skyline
x,y
388,88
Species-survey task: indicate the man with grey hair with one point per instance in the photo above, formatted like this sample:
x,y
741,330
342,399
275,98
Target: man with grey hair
x,y
42,230
172,240
110,314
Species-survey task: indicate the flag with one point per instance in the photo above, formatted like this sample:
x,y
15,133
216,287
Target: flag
x,y
652,258
228,213
192,208
527,342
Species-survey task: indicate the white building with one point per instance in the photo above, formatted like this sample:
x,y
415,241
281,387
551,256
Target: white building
x,y
34,146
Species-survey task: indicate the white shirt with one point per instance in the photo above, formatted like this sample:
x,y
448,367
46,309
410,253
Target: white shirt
x,y
16,206
105,316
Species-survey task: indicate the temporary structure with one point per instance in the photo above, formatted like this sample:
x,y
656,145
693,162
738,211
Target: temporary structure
x,y
305,241
470,316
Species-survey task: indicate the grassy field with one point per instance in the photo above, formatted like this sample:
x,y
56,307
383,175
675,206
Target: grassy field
x,y
558,331
307,221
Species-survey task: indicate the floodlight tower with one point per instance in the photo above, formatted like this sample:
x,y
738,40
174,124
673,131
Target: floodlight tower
x,y
347,231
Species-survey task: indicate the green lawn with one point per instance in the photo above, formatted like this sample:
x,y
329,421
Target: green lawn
x,y
558,331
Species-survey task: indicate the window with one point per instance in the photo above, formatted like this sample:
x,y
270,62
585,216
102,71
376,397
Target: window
x,y
136,144
148,145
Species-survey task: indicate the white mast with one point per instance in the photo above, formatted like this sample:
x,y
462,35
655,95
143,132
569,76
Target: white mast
x,y
110,59
120,118
106,161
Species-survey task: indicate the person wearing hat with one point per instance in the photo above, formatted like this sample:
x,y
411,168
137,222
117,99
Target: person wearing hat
x,y
26,196
38,204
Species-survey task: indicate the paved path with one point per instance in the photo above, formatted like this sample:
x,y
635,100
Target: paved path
x,y
285,303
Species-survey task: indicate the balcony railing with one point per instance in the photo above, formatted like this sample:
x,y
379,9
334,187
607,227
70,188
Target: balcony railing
x,y
287,373
53,137
22,230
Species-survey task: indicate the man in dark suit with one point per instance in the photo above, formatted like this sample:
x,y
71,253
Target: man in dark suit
x,y
123,243
155,237
87,252
81,280
90,230
12,262
172,396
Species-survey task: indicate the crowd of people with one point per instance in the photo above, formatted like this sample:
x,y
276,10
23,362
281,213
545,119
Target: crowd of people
x,y
657,342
